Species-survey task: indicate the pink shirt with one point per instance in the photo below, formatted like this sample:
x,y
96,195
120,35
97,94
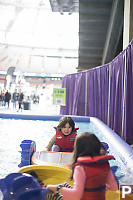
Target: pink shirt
x,y
79,178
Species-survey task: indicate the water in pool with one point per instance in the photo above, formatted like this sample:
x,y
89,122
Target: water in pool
x,y
14,131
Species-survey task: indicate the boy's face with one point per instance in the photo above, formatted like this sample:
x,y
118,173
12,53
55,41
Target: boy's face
x,y
67,129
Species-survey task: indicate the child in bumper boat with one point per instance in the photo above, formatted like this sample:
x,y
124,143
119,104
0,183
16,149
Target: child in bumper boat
x,y
91,171
64,138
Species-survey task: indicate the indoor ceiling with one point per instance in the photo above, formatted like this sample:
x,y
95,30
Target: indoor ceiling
x,y
100,29
35,39
95,40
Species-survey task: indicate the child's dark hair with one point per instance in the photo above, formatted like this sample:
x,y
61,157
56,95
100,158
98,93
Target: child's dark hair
x,y
86,144
64,120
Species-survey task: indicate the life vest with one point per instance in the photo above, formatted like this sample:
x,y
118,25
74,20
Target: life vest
x,y
65,143
97,169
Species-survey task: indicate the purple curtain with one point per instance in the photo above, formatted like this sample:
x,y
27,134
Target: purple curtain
x,y
116,93
128,123
98,92
104,92
75,93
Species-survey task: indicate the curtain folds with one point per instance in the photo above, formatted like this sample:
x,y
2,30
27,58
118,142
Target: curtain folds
x,y
105,92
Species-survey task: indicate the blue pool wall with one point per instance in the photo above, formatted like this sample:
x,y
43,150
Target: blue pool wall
x,y
115,142
121,148
42,117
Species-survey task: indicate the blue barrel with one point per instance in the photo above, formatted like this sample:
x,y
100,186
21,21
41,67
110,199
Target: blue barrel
x,y
28,148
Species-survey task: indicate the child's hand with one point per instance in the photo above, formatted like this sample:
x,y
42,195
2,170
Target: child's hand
x,y
52,188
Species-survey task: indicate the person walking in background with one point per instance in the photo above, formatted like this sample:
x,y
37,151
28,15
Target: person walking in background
x,y
3,97
91,172
20,100
15,98
7,98
0,98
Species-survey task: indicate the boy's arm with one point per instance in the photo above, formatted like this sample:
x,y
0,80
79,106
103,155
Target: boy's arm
x,y
111,183
51,142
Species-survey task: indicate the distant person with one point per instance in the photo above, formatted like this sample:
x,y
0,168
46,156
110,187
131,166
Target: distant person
x,y
34,99
1,98
7,98
65,136
28,99
37,98
20,100
91,172
15,98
